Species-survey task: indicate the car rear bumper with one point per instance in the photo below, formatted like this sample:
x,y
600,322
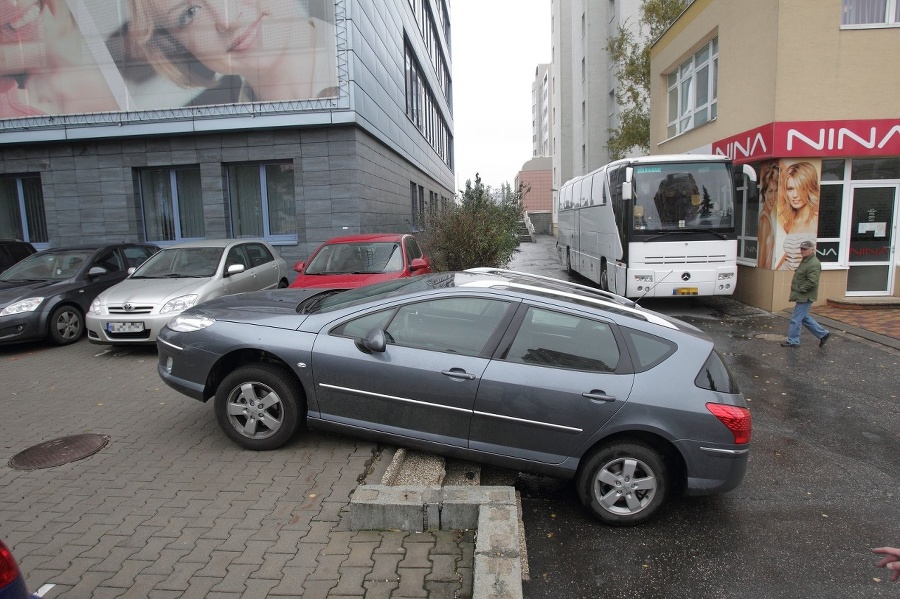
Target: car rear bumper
x,y
713,468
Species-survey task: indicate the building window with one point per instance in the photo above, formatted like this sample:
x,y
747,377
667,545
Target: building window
x,y
423,110
22,209
870,12
692,90
171,203
261,198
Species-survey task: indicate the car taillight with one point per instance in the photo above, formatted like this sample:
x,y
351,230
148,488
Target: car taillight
x,y
9,571
738,420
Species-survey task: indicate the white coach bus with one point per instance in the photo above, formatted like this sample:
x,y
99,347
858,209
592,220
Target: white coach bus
x,y
655,226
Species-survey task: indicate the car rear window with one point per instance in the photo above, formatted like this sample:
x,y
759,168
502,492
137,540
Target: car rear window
x,y
715,376
649,350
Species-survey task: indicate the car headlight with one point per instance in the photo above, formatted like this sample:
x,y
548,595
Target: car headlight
x,y
179,304
95,307
29,304
189,323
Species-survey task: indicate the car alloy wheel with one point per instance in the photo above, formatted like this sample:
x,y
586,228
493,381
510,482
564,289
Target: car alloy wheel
x,y
624,483
66,325
257,406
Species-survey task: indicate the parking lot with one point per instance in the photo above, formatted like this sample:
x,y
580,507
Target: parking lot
x,y
171,508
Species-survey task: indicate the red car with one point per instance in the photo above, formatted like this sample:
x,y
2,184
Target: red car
x,y
357,260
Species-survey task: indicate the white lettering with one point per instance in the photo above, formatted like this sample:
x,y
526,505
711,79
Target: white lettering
x,y
832,138
792,133
844,133
889,134
753,146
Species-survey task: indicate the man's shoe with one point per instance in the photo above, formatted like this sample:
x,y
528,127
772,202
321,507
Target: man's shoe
x,y
824,339
786,344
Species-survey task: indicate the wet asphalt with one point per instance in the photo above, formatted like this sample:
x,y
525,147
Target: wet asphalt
x,y
822,487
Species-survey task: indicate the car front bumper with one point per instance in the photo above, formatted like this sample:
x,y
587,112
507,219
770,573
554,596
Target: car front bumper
x,y
26,326
98,328
184,368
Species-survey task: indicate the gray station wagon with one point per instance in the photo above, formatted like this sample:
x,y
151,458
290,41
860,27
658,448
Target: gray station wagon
x,y
496,366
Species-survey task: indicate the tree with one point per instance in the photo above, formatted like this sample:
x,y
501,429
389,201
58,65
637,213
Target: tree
x,y
478,229
629,51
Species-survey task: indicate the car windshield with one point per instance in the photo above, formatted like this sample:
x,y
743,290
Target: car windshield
x,y
696,195
47,266
357,258
173,263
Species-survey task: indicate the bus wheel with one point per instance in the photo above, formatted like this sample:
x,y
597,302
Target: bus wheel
x,y
604,278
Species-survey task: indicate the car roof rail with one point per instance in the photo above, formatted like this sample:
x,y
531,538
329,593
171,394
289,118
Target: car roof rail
x,y
591,290
627,309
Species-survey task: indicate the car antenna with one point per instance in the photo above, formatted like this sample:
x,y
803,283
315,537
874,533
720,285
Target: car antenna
x,y
649,289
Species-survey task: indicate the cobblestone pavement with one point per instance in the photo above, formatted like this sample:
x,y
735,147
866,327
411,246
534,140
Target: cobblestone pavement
x,y
171,508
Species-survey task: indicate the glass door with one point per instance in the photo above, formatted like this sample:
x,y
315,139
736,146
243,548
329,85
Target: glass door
x,y
871,257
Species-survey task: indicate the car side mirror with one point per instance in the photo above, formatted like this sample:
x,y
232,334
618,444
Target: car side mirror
x,y
298,267
96,271
372,342
234,269
417,264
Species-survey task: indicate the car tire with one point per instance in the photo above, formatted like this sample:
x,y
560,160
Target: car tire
x,y
624,483
282,284
66,325
272,420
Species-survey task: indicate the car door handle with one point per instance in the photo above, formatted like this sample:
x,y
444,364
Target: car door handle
x,y
458,373
598,395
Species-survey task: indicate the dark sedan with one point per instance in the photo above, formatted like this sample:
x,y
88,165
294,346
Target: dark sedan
x,y
46,295
496,366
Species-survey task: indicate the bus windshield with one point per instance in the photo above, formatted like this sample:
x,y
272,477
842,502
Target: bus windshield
x,y
685,195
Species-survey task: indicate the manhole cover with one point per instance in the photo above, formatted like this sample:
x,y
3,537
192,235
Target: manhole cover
x,y
57,452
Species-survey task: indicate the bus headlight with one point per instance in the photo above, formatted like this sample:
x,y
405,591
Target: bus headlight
x,y
725,276
643,278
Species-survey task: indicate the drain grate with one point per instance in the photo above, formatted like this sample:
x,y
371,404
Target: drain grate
x,y
57,452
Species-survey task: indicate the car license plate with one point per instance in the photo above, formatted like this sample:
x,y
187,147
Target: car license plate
x,y
685,291
124,327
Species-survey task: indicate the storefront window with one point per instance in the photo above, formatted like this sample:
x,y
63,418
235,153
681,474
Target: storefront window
x,y
832,170
875,168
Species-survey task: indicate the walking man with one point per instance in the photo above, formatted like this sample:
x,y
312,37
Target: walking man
x,y
804,291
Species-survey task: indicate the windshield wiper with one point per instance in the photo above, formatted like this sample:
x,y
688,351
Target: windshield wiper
x,y
678,231
311,304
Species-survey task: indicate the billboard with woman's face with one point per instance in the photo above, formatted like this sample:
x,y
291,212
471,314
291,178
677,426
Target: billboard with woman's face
x,y
62,57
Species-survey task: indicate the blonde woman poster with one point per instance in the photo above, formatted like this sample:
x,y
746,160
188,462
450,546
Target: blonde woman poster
x,y
797,210
768,198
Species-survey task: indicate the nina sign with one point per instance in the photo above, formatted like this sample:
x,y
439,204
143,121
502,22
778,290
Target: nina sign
x,y
867,137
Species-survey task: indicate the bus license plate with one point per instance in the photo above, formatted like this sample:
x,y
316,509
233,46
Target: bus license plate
x,y
124,327
685,291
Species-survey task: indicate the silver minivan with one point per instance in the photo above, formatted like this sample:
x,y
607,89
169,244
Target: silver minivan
x,y
177,278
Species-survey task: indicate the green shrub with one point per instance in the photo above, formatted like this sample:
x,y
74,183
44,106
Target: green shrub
x,y
477,229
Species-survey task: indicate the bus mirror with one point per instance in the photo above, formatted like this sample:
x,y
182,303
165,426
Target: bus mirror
x,y
626,184
750,172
